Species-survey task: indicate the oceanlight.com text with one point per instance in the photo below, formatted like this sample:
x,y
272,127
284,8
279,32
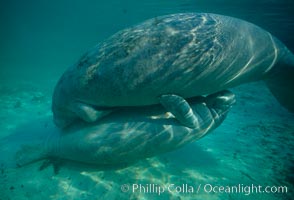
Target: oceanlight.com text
x,y
203,188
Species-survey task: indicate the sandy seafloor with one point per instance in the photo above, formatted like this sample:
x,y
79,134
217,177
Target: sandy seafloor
x,y
254,145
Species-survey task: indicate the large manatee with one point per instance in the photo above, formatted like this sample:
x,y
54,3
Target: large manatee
x,y
121,137
171,58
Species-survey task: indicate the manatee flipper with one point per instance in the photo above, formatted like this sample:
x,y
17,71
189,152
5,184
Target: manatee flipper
x,y
88,113
180,108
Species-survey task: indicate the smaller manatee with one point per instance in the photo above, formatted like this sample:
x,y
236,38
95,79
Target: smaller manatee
x,y
121,137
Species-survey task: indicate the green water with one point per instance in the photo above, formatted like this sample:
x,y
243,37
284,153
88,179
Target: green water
x,y
40,39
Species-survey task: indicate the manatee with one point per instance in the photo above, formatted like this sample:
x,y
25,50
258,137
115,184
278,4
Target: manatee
x,y
169,59
122,137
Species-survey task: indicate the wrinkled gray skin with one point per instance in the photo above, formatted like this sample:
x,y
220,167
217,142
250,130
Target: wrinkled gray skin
x,y
181,54
121,137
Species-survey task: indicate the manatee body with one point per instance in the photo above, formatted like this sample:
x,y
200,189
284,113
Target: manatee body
x,y
121,137
187,55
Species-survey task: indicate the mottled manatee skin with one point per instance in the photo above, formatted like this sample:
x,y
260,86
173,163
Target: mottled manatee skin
x,y
128,135
121,137
185,54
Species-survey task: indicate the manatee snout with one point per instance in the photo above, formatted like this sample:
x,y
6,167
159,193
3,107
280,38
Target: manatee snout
x,y
62,122
61,118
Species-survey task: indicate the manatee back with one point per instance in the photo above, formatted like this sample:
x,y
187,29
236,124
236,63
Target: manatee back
x,y
174,54
188,54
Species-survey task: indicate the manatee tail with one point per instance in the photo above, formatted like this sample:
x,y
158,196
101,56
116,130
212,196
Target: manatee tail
x,y
280,81
18,151
27,144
